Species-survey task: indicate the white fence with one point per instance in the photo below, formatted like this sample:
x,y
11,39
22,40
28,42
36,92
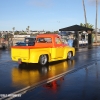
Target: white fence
x,y
21,36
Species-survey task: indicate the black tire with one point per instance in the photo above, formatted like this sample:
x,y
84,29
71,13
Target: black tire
x,y
43,60
69,55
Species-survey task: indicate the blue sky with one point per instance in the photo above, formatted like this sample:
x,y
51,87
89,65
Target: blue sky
x,y
49,15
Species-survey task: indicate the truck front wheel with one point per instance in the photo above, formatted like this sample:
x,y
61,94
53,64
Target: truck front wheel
x,y
43,59
69,55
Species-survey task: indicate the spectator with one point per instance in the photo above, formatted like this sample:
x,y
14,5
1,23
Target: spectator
x,y
75,42
70,42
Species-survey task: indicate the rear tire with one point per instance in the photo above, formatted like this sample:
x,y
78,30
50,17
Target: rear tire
x,y
69,55
43,60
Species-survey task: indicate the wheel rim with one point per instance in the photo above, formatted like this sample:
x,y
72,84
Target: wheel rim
x,y
43,59
69,55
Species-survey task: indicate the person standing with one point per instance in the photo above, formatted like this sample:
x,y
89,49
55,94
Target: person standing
x,y
70,42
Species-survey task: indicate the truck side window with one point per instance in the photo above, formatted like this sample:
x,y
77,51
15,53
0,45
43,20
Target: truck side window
x,y
44,40
58,41
48,40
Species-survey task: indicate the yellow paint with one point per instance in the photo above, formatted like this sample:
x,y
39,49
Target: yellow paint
x,y
32,75
32,55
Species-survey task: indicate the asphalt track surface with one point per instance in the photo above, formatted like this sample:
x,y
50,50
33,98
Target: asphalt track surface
x,y
77,79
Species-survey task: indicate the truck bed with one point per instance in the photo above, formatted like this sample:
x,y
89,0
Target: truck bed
x,y
23,53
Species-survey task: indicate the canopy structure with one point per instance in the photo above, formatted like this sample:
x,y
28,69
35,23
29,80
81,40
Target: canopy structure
x,y
76,28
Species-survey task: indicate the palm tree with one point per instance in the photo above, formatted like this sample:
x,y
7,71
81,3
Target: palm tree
x,y
28,28
13,30
84,13
96,21
88,25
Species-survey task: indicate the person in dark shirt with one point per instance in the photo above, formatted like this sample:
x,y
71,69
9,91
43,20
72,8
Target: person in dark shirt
x,y
75,42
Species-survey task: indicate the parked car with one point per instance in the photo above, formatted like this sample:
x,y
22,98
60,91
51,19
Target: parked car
x,y
47,48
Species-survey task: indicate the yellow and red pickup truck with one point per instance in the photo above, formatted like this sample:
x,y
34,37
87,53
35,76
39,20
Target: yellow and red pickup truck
x,y
47,48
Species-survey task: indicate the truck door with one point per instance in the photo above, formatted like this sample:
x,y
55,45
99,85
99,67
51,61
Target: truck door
x,y
59,48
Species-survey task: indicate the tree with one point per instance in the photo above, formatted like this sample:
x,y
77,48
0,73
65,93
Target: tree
x,y
7,36
88,25
16,32
13,30
48,32
84,13
23,33
56,32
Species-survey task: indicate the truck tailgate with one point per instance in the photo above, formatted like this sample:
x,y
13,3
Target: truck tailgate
x,y
19,53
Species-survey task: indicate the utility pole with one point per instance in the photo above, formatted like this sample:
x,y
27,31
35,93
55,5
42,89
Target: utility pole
x,y
84,13
96,21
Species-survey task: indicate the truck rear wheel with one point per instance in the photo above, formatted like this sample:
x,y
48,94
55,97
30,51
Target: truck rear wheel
x,y
43,59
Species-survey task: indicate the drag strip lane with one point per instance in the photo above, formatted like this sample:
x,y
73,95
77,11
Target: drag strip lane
x,y
26,89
